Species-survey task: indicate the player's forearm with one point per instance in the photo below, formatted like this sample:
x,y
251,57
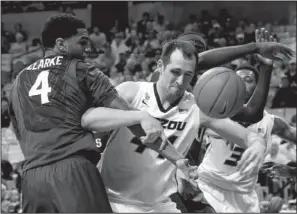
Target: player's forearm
x,y
233,132
169,152
219,56
103,119
253,111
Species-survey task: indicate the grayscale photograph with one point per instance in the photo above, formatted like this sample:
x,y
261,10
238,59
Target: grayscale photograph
x,y
148,107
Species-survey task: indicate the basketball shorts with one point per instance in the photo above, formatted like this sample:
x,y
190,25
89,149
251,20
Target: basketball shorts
x,y
70,185
163,207
226,201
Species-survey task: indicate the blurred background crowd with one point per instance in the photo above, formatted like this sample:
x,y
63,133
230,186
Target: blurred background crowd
x,y
126,40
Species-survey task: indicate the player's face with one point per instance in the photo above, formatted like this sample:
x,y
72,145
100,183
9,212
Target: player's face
x,y
78,46
249,79
177,74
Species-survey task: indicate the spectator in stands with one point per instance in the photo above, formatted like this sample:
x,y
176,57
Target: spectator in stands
x,y
20,46
98,38
5,44
5,120
206,23
122,62
152,42
18,28
192,25
118,46
69,10
114,77
6,170
142,24
160,24
292,74
132,41
105,60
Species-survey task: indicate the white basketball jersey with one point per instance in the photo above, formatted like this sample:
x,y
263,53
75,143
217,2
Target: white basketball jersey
x,y
219,164
135,174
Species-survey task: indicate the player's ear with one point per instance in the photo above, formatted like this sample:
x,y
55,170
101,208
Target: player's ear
x,y
160,65
61,44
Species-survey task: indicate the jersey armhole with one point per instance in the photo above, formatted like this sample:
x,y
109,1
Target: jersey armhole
x,y
142,89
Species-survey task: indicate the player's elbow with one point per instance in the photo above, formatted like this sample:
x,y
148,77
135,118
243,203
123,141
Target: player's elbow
x,y
86,120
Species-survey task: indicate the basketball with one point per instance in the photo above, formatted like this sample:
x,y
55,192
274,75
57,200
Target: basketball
x,y
220,93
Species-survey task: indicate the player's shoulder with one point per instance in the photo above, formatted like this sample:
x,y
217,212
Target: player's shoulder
x,y
84,66
267,116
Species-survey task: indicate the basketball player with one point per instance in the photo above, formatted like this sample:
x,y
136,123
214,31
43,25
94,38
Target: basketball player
x,y
223,186
253,112
140,180
47,101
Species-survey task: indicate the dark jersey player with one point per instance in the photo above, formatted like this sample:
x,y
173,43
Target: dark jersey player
x,y
47,101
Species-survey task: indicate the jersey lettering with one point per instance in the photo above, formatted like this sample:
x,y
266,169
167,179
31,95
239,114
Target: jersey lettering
x,y
235,156
42,81
141,147
172,125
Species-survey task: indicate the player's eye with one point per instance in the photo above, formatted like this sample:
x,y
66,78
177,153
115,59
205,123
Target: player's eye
x,y
175,72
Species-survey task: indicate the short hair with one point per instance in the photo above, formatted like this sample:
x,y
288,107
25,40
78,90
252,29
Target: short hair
x,y
62,25
251,68
185,47
196,38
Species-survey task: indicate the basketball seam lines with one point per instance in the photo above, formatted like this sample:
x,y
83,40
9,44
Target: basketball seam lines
x,y
216,100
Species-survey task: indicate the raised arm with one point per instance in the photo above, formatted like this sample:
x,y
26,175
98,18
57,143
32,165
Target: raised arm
x,y
252,112
219,56
284,130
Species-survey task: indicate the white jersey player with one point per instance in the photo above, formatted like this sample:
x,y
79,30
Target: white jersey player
x,y
223,186
138,179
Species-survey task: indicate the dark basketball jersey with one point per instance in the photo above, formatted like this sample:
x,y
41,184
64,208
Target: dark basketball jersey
x,y
48,99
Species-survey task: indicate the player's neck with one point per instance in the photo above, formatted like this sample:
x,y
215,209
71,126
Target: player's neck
x,y
51,52
166,98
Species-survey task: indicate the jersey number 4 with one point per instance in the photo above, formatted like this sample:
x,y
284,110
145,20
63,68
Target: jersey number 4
x,y
41,87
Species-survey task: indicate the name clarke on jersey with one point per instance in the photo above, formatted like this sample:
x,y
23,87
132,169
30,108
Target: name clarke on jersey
x,y
47,62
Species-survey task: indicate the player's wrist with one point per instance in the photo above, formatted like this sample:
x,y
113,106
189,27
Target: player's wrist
x,y
255,47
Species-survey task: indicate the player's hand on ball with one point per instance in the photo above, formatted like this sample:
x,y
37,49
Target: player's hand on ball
x,y
267,47
252,158
152,128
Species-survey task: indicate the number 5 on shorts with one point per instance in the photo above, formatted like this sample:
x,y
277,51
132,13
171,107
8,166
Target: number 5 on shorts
x,y
42,79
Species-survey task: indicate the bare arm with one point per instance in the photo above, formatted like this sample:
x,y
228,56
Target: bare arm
x,y
219,56
99,119
252,112
231,131
284,130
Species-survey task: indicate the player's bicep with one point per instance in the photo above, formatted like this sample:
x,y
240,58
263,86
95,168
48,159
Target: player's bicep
x,y
100,88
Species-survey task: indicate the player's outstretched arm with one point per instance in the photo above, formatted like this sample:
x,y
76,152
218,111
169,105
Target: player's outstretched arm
x,y
284,130
219,56
252,112
119,113
254,144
